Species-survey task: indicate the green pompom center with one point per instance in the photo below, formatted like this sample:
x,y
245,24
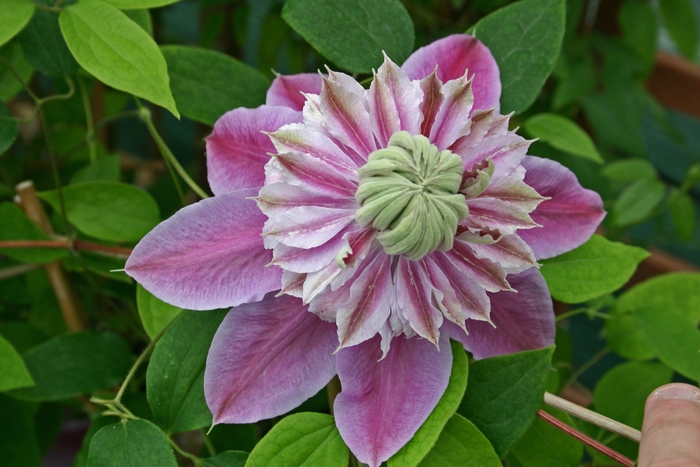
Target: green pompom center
x,y
409,193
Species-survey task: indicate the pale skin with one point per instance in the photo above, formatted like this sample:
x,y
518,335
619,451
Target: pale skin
x,y
671,428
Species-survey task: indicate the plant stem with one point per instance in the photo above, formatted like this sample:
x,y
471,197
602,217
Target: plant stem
x,y
52,9
583,368
105,250
182,452
578,311
88,119
207,443
166,153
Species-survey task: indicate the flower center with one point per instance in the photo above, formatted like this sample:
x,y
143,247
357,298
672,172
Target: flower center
x,y
409,193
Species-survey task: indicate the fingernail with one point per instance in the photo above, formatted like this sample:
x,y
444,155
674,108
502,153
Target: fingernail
x,y
678,391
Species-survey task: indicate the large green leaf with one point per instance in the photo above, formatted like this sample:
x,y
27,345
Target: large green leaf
x,y
9,86
353,33
14,16
175,377
206,83
679,292
307,438
136,443
639,29
682,24
596,268
117,51
155,313
13,373
107,210
525,39
75,364
504,394
426,436
18,443
14,225
674,337
683,215
543,445
138,4
628,170
44,47
638,201
461,444
563,134
621,392
225,459
105,169
8,128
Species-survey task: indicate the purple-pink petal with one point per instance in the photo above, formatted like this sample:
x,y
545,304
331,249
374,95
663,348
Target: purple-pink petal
x,y
414,295
346,117
287,90
454,55
450,124
523,320
568,219
383,403
237,150
208,255
266,359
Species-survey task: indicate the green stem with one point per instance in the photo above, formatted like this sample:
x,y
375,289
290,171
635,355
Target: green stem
x,y
88,119
586,366
182,452
89,136
53,9
166,153
54,168
578,311
207,443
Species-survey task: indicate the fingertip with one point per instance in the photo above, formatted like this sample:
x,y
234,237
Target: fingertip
x,y
673,391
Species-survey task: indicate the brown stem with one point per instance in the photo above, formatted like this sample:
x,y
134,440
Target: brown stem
x,y
106,250
616,456
65,293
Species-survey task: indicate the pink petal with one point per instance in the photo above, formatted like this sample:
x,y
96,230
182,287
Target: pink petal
x,y
237,150
497,214
480,124
295,138
277,198
346,117
470,299
523,320
414,296
487,273
208,255
515,192
451,121
568,219
454,55
311,259
292,283
506,152
305,170
307,226
383,403
369,302
287,90
393,100
432,101
266,359
511,252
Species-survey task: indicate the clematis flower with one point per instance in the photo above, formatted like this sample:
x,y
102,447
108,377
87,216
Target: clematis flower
x,y
355,231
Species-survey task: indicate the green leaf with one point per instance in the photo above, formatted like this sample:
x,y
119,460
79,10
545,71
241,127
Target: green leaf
x,y
137,4
309,439
679,292
524,38
175,377
426,436
504,394
155,314
543,445
117,51
20,334
638,201
461,444
225,459
621,392
14,225
44,47
8,128
142,18
18,444
628,170
107,210
683,215
48,420
596,268
105,169
563,134
202,83
13,373
674,337
682,24
136,443
639,29
353,33
75,364
14,16
9,86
